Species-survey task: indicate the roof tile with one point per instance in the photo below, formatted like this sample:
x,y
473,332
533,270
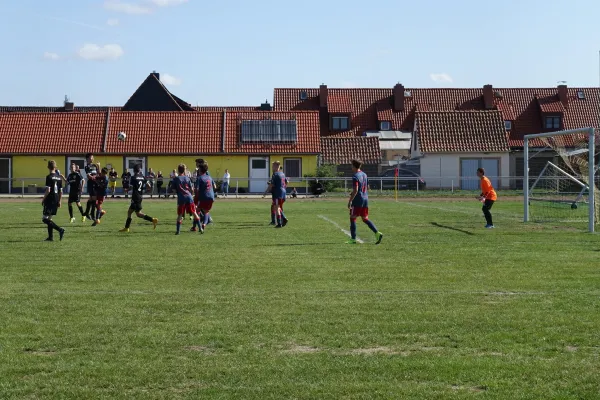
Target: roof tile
x,y
344,150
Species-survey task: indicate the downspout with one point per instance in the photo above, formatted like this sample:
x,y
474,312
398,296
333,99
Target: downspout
x,y
106,131
223,131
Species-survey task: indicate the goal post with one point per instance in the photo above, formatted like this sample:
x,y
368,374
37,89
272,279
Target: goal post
x,y
561,185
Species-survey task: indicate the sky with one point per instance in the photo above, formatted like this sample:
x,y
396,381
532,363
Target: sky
x,y
234,52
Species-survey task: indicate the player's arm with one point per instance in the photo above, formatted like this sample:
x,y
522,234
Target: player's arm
x,y
60,193
354,191
269,189
47,191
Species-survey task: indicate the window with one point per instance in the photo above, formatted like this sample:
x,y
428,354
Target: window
x,y
259,164
339,123
303,95
580,95
385,125
269,131
552,122
508,125
292,167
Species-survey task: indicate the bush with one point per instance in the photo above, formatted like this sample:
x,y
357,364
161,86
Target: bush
x,y
326,171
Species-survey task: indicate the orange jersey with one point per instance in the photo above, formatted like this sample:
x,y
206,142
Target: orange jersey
x,y
487,190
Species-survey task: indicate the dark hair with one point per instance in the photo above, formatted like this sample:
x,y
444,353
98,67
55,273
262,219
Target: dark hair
x,y
204,167
199,160
88,155
137,168
51,164
181,168
356,164
104,170
481,170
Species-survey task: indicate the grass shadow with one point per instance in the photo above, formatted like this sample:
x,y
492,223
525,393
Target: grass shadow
x,y
452,228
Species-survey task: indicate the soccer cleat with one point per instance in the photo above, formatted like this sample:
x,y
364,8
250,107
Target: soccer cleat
x,y
102,213
176,233
284,222
124,230
379,237
489,227
278,226
210,221
61,234
95,223
72,220
154,223
83,218
271,223
351,241
202,229
193,229
48,240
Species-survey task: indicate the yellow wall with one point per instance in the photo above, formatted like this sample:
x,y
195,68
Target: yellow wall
x,y
115,161
34,167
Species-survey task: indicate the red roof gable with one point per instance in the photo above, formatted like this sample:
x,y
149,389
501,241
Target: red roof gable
x,y
461,131
344,150
165,132
551,105
51,133
369,105
307,125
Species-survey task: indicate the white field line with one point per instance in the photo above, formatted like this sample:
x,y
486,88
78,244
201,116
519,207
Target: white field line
x,y
500,214
340,228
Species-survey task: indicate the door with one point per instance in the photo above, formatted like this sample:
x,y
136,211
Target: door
x,y
5,184
468,174
491,170
80,162
131,162
259,174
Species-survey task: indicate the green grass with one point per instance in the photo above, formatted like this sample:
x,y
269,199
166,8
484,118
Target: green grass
x,y
442,309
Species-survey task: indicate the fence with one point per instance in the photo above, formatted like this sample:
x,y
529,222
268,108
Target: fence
x,y
308,186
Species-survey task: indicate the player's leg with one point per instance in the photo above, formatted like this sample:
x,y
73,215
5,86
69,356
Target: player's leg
x,y
487,205
352,227
371,225
128,221
180,215
70,205
47,219
284,220
80,207
146,217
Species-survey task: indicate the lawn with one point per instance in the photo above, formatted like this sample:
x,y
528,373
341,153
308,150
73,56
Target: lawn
x,y
442,309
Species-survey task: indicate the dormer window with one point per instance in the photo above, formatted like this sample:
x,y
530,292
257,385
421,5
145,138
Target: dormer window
x,y
508,125
580,95
339,123
303,95
552,122
385,126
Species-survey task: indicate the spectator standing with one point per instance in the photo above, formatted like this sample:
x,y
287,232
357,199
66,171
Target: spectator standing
x,y
151,178
225,184
112,179
159,183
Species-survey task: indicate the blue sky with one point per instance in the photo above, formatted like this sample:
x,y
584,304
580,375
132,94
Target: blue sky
x,y
233,52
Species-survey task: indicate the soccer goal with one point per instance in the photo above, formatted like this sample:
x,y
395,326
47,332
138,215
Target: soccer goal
x,y
559,177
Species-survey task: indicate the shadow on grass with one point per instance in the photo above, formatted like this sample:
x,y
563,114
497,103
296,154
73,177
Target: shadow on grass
x,y
296,244
453,229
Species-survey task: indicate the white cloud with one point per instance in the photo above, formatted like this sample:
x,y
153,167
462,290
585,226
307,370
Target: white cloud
x,y
112,22
170,80
51,56
127,8
166,3
94,52
441,78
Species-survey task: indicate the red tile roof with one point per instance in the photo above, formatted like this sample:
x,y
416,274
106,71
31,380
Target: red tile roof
x,y
461,131
368,105
42,109
227,108
165,132
307,125
344,150
338,104
551,105
51,133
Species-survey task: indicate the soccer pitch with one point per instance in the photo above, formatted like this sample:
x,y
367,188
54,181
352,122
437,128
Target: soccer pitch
x,y
442,309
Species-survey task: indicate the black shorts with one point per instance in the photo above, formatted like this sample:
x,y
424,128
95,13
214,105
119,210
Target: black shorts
x,y
91,189
135,206
50,209
125,184
74,197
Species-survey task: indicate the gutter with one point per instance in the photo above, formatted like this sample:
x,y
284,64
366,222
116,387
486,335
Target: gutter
x,y
106,131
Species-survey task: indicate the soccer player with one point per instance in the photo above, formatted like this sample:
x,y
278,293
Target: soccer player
x,y
101,186
51,201
488,197
91,170
199,162
185,199
206,196
358,204
139,184
277,187
112,176
126,182
75,181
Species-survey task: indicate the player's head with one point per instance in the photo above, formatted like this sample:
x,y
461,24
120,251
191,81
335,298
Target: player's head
x,y
112,169
276,166
51,165
150,170
137,168
203,167
104,171
356,165
73,167
89,157
226,171
480,172
181,168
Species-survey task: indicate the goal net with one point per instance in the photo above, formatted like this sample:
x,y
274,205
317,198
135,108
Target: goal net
x,y
560,174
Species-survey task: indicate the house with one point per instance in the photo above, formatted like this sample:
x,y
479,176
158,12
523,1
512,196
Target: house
x,y
519,111
341,152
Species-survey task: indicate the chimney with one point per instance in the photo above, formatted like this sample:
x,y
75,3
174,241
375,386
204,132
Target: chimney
x,y
265,106
488,97
156,74
323,96
69,106
562,95
398,97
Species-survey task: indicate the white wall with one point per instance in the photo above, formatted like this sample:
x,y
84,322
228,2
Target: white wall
x,y
441,170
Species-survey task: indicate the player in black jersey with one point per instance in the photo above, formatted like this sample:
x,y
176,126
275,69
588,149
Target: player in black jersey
x,y
138,186
101,186
51,202
126,182
91,170
75,187
112,177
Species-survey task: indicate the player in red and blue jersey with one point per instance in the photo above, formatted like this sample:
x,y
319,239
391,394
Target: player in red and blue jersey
x,y
205,194
359,203
101,186
278,188
185,200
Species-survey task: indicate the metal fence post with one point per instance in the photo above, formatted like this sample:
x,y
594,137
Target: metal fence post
x,y
237,188
417,185
306,192
22,188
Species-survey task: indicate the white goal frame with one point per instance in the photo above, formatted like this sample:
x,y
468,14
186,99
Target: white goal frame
x,y
592,170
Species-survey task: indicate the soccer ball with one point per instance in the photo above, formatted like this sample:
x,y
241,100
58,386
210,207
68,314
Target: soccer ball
x,y
121,136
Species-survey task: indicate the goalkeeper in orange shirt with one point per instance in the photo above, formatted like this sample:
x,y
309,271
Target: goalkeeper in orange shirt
x,y
487,197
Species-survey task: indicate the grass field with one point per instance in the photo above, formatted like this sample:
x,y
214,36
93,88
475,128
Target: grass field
x,y
442,309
